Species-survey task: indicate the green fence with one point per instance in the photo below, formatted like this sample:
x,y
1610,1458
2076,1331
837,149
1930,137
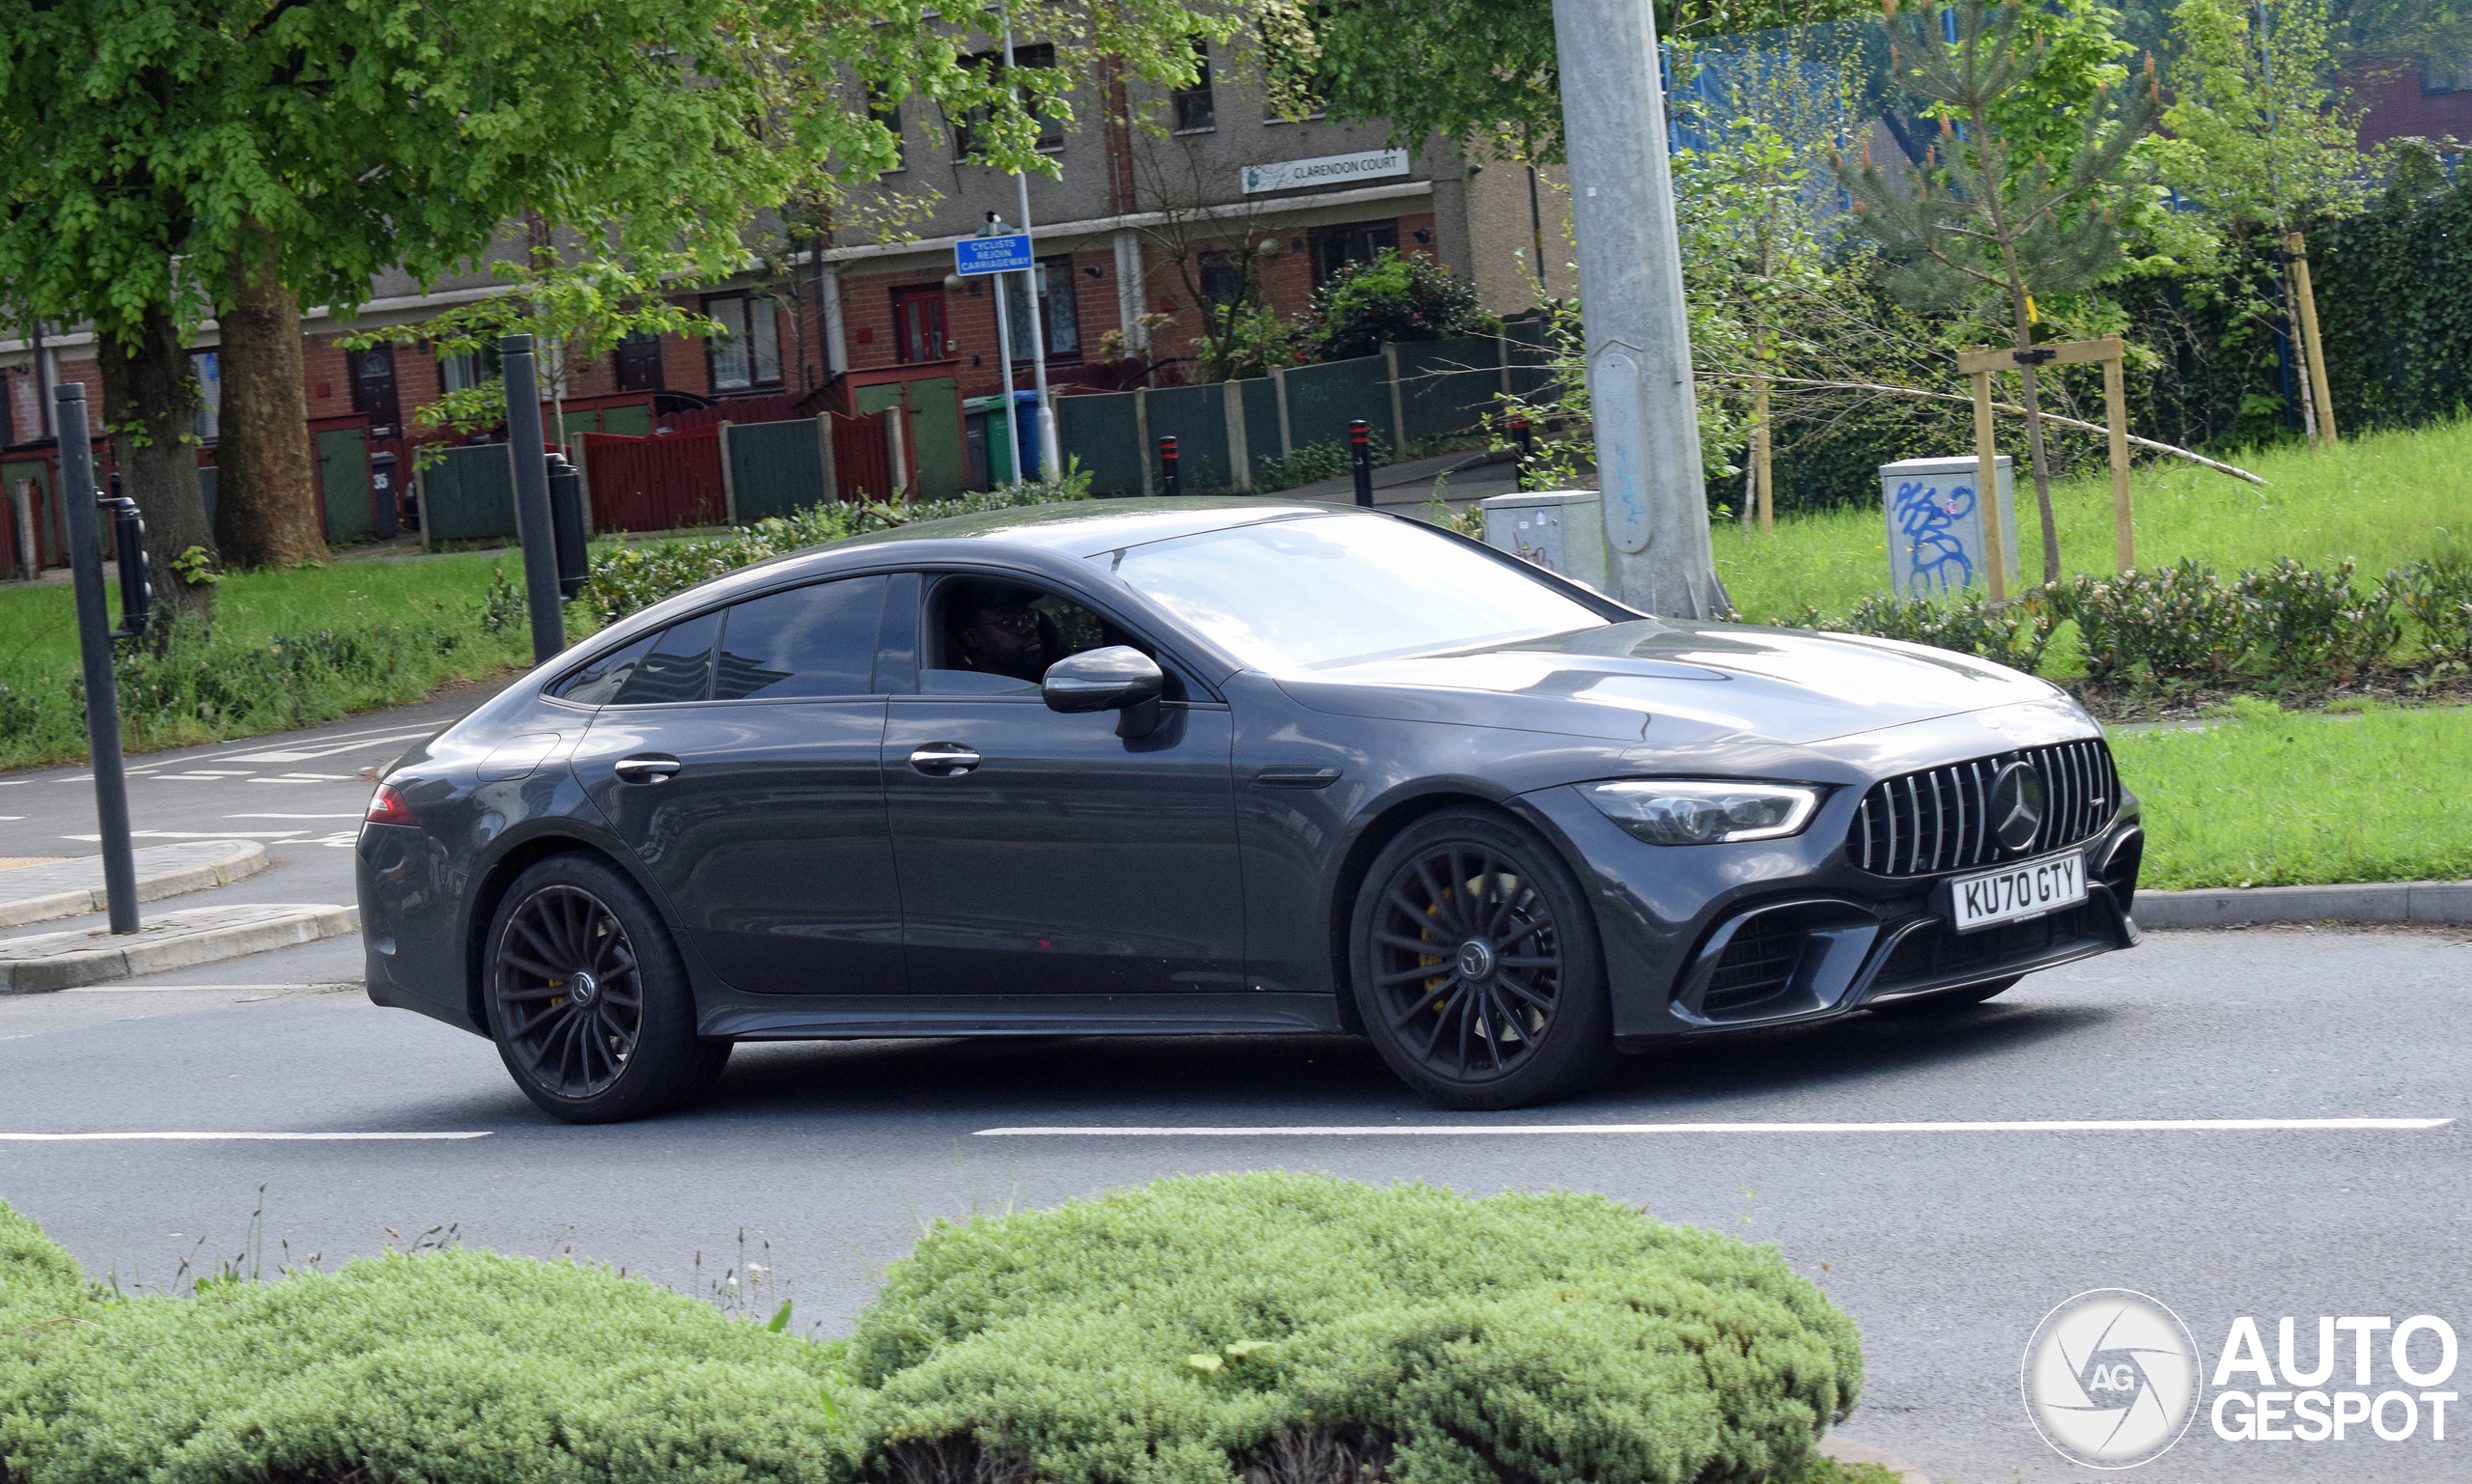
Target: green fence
x,y
775,468
468,495
1104,431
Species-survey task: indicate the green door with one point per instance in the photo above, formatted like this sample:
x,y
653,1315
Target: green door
x,y
636,422
935,424
343,482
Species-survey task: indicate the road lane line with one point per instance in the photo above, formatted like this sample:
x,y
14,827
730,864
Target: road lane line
x,y
355,814
189,1137
1481,1131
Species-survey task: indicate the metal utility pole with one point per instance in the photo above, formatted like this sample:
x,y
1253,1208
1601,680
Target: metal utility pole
x,y
1639,343
1050,463
1005,352
77,496
533,524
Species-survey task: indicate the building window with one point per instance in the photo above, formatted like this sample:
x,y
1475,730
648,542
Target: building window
x,y
747,351
890,116
1194,108
1051,129
638,363
1334,247
208,367
919,325
461,370
1059,316
1224,278
2444,75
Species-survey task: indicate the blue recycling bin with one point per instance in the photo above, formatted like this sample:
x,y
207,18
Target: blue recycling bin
x,y
1001,460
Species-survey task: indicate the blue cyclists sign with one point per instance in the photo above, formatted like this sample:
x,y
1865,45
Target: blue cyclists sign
x,y
993,254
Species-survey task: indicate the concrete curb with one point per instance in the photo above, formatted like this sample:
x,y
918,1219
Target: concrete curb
x,y
175,939
64,888
2214,906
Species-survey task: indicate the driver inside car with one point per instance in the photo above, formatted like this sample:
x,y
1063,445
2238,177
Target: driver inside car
x,y
1006,638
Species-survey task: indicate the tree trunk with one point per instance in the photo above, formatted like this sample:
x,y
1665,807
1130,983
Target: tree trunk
x,y
2034,447
149,406
267,511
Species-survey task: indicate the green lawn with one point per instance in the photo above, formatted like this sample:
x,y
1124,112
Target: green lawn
x,y
2385,499
288,649
2281,799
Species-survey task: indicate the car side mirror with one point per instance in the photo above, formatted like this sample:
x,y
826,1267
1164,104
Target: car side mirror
x,y
1118,678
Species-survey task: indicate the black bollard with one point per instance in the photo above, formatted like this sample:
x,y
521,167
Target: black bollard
x,y
1523,440
128,546
533,528
1361,451
1169,479
77,498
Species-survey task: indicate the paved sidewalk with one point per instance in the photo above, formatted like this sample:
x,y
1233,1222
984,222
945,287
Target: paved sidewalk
x,y
63,888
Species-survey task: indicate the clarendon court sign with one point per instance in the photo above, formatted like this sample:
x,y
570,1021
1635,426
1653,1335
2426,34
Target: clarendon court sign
x,y
1325,170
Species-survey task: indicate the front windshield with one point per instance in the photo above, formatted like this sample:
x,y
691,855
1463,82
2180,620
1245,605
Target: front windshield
x,y
1291,595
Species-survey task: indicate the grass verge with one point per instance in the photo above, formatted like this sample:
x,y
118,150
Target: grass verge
x,y
2278,799
2385,499
288,649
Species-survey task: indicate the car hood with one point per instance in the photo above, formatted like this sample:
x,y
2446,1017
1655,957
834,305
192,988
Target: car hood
x,y
1651,678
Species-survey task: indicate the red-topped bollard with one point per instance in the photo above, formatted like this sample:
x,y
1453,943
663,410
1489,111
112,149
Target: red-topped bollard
x,y
1169,481
1361,455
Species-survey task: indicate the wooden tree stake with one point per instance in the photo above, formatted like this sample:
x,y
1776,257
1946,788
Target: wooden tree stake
x,y
1759,449
1986,484
2116,412
2325,400
1980,364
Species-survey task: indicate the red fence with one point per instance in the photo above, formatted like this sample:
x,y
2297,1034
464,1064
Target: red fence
x,y
737,409
862,457
656,484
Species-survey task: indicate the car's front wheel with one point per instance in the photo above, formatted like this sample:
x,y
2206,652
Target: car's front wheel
x,y
587,999
1476,967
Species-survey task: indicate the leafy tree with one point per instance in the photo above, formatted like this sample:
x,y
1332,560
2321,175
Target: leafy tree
x,y
2257,135
1991,213
1394,297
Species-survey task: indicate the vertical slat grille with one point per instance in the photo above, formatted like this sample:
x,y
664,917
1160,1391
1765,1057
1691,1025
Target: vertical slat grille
x,y
1940,820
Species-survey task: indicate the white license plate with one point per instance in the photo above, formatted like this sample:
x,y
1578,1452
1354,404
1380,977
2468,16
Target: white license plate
x,y
2016,893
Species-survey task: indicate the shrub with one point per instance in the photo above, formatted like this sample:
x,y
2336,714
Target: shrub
x,y
1304,1327
2307,623
1311,463
620,580
2179,622
444,1367
2015,634
2438,596
1393,297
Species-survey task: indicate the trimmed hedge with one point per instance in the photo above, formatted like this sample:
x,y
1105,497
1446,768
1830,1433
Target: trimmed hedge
x,y
1199,1329
1260,1329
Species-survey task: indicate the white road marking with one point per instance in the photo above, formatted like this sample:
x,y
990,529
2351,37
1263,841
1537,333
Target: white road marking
x,y
330,749
188,1137
355,814
123,987
1463,1130
203,774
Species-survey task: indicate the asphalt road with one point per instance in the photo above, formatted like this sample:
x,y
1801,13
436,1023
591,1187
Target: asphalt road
x,y
1947,1245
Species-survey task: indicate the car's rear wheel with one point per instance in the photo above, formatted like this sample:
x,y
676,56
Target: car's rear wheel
x,y
1947,1001
587,999
1476,967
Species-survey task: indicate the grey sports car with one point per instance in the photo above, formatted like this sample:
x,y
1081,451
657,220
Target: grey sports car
x,y
1241,765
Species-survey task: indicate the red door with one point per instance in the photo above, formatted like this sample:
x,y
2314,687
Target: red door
x,y
918,324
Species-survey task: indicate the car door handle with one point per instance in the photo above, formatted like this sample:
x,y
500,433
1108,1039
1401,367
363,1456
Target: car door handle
x,y
943,760
650,768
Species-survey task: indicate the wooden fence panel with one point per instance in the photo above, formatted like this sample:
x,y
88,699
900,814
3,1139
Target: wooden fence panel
x,y
862,457
656,484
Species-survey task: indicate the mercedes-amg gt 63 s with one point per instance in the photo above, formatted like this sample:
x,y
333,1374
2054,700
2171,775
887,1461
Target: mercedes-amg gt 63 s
x,y
1221,766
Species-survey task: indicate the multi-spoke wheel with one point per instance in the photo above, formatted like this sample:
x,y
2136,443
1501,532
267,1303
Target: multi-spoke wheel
x,y
587,1001
1477,966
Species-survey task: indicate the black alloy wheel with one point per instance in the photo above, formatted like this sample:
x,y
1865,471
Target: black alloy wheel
x,y
587,1001
1478,970
1946,1002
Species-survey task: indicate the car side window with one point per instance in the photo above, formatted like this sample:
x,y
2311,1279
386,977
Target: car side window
x,y
988,636
679,667
815,640
597,683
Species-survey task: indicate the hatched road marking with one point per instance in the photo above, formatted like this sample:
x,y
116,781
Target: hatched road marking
x,y
201,1137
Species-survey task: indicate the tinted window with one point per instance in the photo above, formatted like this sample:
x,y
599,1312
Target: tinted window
x,y
598,682
679,668
818,640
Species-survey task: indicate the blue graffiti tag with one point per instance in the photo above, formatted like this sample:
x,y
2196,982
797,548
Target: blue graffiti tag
x,y
1928,522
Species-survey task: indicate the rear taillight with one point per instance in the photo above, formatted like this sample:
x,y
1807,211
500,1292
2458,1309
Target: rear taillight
x,y
387,808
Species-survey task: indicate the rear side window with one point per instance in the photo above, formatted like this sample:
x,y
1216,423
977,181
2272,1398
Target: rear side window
x,y
597,683
679,668
807,641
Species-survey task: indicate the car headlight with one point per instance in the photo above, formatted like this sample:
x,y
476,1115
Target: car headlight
x,y
1701,811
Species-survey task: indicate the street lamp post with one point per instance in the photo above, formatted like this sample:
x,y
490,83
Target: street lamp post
x,y
1639,343
1050,463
